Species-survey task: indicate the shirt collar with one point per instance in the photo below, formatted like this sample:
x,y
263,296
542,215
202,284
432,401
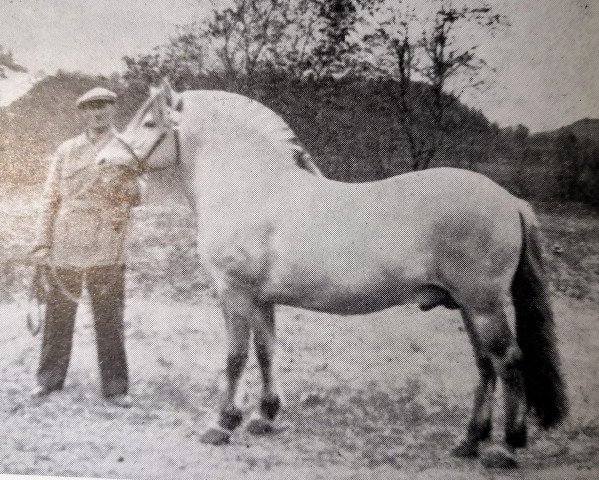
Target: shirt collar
x,y
103,138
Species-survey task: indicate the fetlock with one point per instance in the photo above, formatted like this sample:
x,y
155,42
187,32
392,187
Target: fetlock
x,y
230,418
516,438
270,406
480,431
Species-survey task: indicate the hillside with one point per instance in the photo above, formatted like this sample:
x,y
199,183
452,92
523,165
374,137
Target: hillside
x,y
349,126
40,120
585,130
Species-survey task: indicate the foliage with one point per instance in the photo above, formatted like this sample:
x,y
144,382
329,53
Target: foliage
x,y
181,59
437,57
257,41
337,48
578,163
244,34
246,37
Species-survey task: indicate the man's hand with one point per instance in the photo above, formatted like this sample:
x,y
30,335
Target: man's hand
x,y
40,255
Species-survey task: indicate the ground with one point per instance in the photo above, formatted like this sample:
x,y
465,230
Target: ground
x,y
376,396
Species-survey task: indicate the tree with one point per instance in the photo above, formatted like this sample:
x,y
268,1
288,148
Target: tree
x,y
437,57
523,154
181,59
299,36
244,35
337,46
567,151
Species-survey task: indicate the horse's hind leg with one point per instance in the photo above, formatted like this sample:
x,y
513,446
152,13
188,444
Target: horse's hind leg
x,y
264,341
238,309
480,425
493,328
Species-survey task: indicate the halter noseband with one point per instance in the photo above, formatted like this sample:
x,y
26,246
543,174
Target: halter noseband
x,y
130,150
142,161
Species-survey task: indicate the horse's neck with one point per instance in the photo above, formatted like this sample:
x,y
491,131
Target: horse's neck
x,y
232,162
238,134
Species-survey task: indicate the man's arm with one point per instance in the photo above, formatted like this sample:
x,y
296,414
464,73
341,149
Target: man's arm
x,y
50,203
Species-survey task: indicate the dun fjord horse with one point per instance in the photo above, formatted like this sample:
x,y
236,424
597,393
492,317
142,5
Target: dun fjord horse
x,y
273,230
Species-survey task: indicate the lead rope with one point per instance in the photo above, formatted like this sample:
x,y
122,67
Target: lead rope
x,y
61,286
41,282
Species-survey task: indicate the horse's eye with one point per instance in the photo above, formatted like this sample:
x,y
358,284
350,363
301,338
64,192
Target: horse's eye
x,y
149,123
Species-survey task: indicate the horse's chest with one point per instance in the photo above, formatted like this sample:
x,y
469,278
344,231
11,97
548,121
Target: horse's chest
x,y
236,257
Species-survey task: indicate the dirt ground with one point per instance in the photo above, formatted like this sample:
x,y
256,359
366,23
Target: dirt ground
x,y
378,396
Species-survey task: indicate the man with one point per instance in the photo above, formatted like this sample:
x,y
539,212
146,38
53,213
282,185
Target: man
x,y
81,232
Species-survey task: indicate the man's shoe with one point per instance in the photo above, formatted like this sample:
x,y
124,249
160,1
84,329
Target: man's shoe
x,y
123,401
40,392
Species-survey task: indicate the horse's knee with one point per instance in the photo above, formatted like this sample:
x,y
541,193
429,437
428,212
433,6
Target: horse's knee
x,y
509,365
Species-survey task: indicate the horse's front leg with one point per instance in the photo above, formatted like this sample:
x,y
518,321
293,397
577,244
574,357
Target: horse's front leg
x,y
238,309
264,341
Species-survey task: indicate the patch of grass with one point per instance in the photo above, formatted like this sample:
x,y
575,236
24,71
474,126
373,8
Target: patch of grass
x,y
572,248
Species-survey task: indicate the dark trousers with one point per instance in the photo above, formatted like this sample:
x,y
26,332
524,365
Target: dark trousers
x,y
106,289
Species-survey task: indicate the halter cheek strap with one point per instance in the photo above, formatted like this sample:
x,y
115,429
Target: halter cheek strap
x,y
141,161
129,149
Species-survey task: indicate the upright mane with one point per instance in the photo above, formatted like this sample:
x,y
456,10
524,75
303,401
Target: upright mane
x,y
235,114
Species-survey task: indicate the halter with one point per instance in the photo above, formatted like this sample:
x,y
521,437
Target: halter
x,y
142,161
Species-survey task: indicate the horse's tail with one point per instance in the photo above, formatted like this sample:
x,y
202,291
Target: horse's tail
x,y
535,328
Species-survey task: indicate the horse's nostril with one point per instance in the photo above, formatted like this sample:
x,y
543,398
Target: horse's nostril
x,y
102,161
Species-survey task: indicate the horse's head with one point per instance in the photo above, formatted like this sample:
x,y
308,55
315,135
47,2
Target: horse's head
x,y
150,141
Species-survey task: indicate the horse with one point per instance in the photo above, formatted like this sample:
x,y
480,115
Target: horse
x,y
273,230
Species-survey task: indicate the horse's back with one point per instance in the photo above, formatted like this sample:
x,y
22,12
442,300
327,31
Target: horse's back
x,y
443,228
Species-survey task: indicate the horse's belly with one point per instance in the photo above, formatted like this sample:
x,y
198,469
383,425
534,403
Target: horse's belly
x,y
354,293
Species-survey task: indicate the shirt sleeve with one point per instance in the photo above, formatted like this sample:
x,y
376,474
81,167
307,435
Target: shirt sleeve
x,y
50,202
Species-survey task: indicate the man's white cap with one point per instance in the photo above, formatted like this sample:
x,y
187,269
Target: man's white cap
x,y
97,94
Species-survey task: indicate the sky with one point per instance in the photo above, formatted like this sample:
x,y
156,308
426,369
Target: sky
x,y
546,63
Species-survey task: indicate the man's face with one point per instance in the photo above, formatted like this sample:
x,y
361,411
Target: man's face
x,y
98,114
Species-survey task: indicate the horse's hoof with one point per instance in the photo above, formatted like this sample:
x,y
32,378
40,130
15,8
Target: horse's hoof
x,y
260,426
498,456
216,436
466,449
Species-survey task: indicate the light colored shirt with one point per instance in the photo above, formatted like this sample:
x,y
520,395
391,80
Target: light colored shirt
x,y
85,209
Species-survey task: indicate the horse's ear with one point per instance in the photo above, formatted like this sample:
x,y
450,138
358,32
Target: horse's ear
x,y
168,91
173,99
